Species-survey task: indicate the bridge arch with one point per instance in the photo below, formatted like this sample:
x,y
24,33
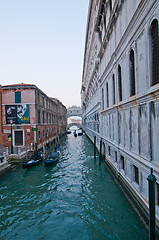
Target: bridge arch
x,y
74,124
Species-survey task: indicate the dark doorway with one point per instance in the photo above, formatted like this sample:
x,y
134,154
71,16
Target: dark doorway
x,y
18,138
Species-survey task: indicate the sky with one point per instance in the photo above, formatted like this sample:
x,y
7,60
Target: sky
x,y
42,42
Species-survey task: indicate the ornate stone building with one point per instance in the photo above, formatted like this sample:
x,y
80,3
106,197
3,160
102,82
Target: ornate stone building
x,y
120,89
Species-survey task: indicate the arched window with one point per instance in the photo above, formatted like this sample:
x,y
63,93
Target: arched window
x,y
155,52
132,74
120,83
113,87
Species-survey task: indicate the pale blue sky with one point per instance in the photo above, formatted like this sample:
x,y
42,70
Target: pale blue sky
x,y
42,42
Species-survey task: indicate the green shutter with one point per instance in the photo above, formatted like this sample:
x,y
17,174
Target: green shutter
x,y
17,97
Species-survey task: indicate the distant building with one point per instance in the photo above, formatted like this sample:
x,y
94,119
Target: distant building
x,y
77,121
34,116
120,90
1,116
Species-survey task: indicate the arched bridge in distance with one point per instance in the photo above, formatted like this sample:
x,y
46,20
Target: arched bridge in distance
x,y
74,111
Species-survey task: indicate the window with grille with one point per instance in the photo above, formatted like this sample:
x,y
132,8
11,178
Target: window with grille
x,y
107,94
157,194
122,162
102,98
120,83
136,174
109,151
113,79
115,156
155,51
132,73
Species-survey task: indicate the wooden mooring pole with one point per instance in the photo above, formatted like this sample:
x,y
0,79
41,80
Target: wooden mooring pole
x,y
94,146
152,218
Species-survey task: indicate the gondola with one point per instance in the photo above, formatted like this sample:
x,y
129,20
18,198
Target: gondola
x,y
33,161
51,161
75,134
80,133
68,132
54,157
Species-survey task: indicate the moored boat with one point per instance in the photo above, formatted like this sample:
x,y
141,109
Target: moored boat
x,y
80,133
33,161
51,161
75,134
54,157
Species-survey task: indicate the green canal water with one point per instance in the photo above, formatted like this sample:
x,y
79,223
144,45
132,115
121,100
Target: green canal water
x,y
74,200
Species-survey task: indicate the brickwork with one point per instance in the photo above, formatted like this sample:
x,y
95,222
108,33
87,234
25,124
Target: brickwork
x,y
45,119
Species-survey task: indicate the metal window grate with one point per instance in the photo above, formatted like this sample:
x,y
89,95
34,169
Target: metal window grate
x,y
120,83
155,52
136,174
132,73
157,194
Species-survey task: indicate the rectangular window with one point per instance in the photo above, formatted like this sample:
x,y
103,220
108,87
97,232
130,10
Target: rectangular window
x,y
107,94
113,89
120,83
39,134
132,74
47,118
115,156
136,174
43,117
38,98
43,101
157,194
102,99
122,162
17,97
38,116
109,152
155,51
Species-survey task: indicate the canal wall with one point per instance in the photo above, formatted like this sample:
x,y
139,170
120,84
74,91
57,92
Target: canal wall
x,y
137,201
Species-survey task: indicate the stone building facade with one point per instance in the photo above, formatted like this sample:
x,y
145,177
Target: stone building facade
x,y
120,89
34,116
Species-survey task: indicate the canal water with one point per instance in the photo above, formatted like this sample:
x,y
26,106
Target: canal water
x,y
74,200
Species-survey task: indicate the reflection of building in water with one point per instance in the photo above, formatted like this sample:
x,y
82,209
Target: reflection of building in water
x,y
36,117
120,89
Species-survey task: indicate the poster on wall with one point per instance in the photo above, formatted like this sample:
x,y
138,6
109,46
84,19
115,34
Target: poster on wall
x,y
18,113
11,113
